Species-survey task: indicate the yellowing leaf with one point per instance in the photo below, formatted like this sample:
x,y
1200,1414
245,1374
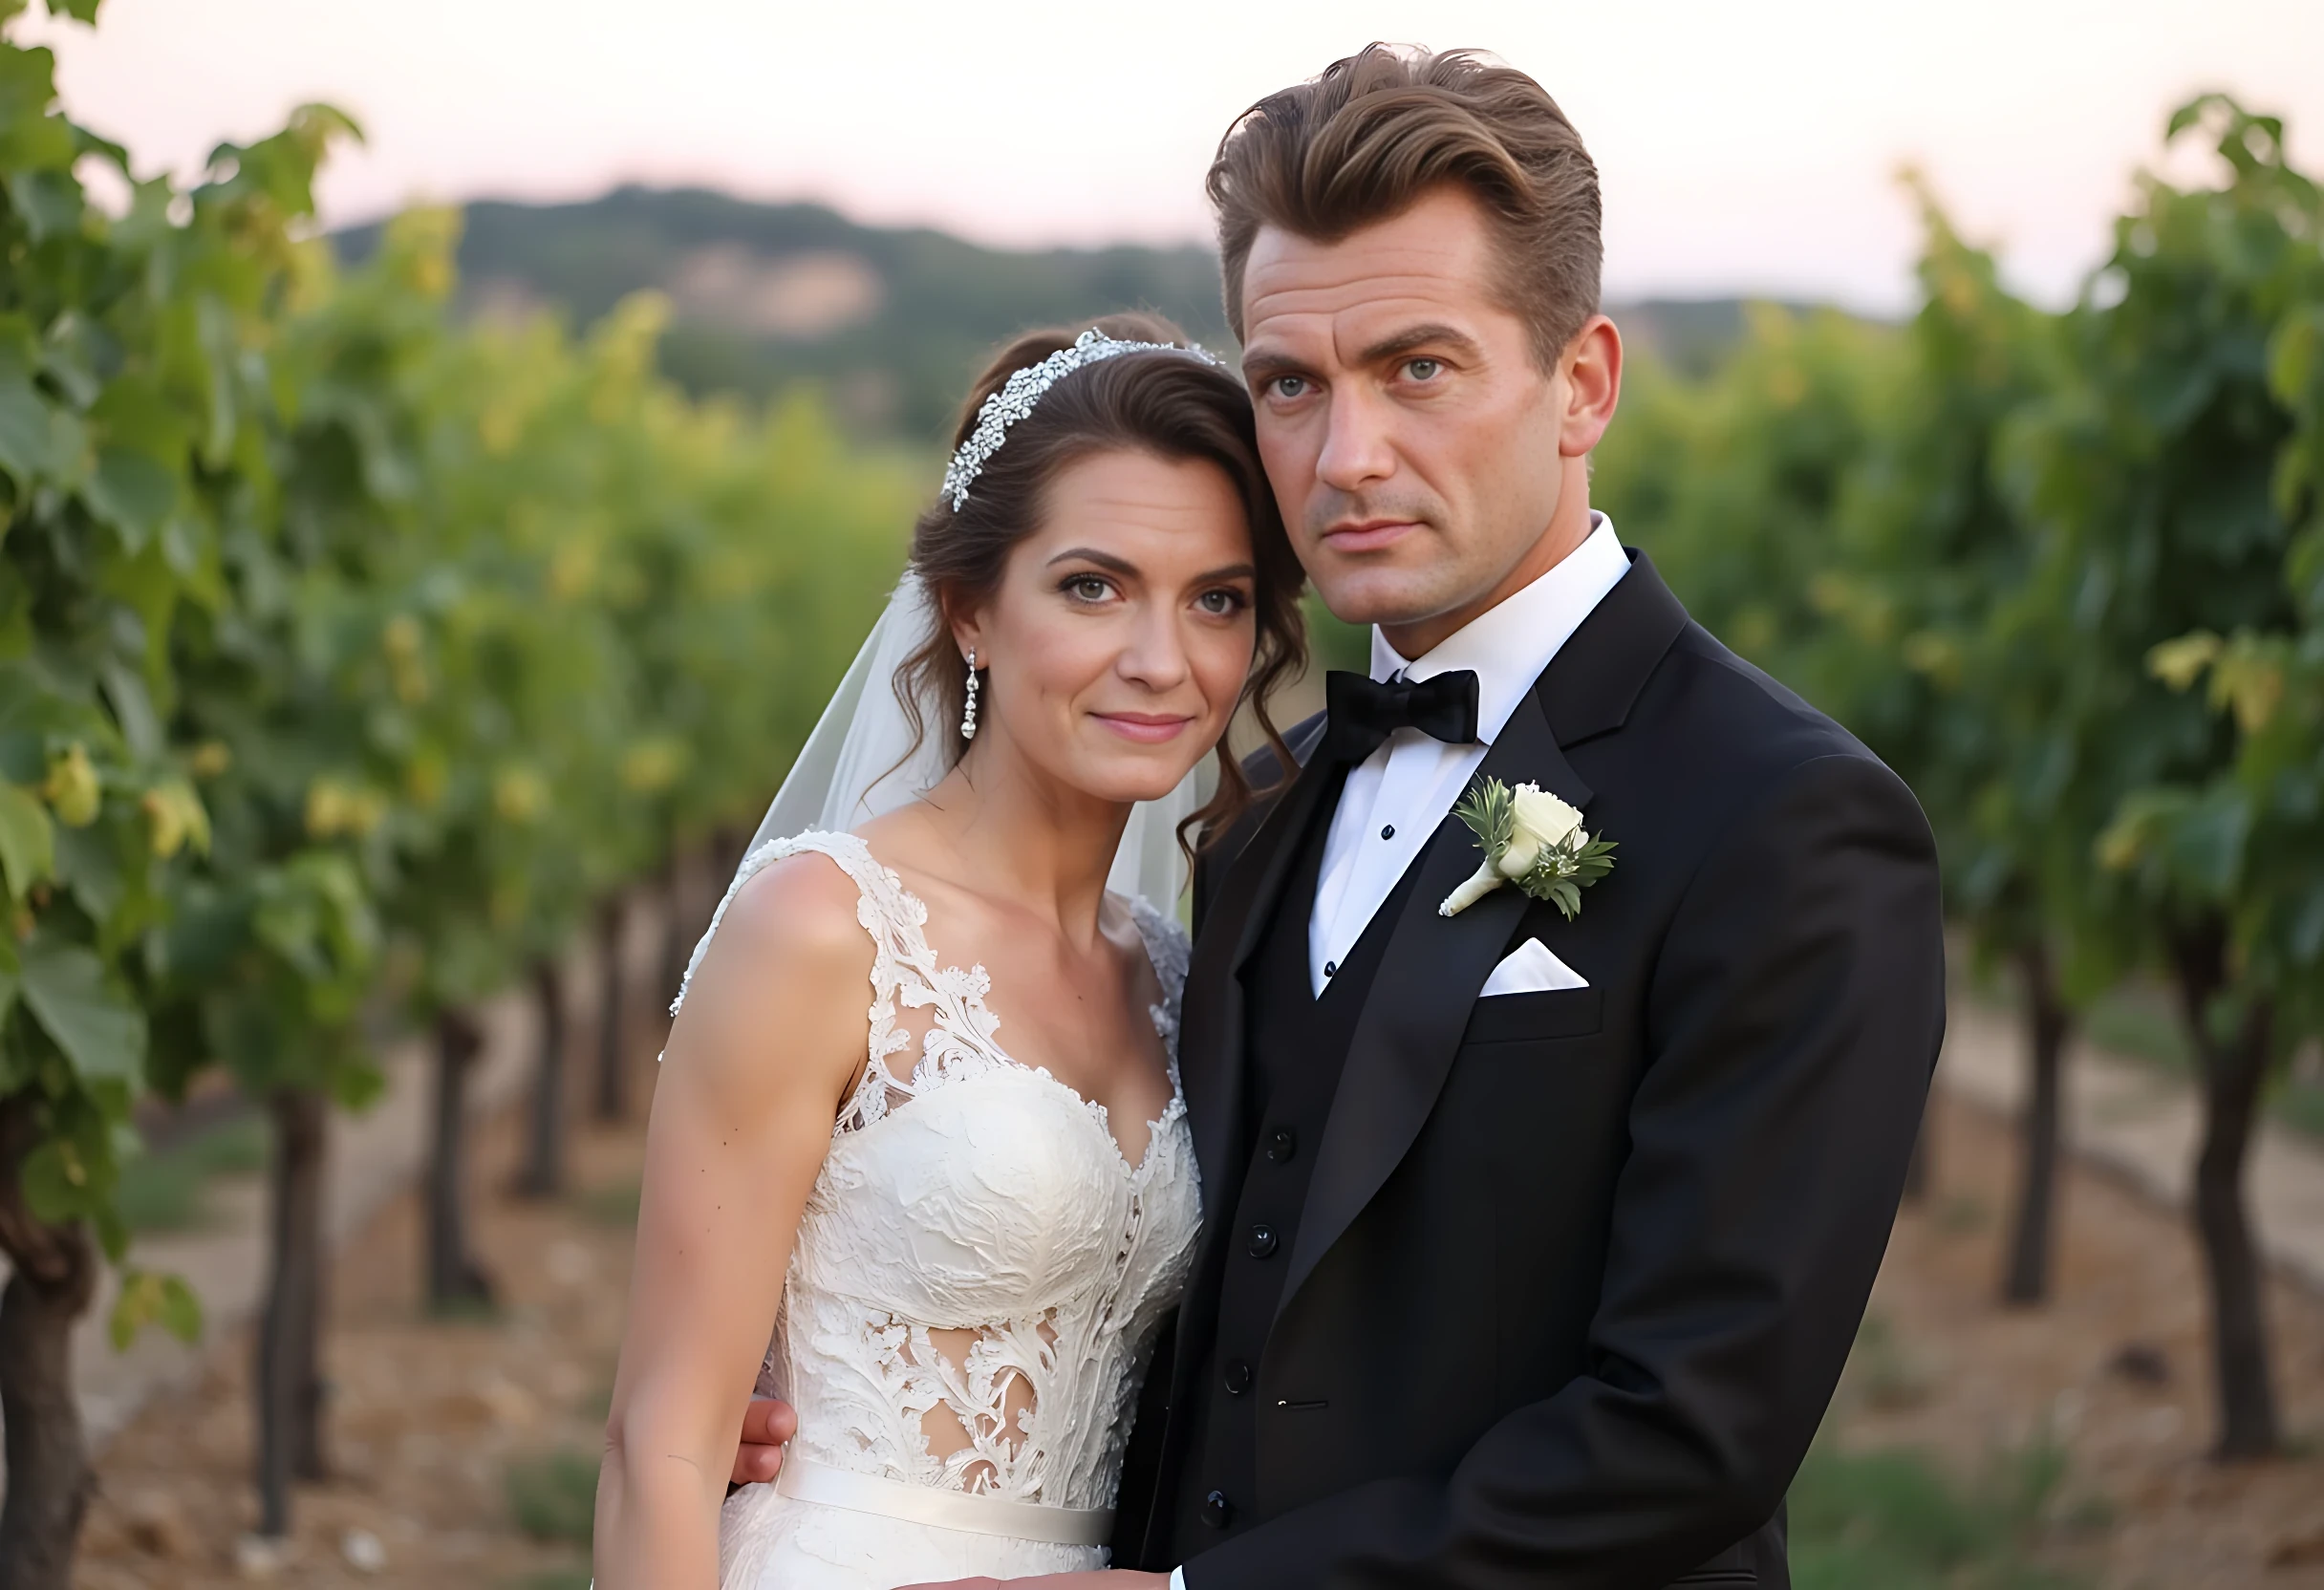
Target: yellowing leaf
x,y
2179,663
72,790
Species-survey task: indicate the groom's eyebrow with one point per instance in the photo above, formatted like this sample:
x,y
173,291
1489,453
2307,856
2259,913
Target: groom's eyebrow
x,y
1429,336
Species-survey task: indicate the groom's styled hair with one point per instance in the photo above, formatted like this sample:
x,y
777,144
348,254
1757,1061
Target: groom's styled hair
x,y
1380,128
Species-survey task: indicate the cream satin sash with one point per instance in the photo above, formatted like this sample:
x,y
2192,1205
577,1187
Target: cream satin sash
x,y
807,1481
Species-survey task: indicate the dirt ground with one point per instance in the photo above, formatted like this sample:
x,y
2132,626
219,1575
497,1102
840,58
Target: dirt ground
x,y
2115,1369
430,1416
427,1417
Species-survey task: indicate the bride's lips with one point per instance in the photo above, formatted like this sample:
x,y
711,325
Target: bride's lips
x,y
1148,728
1368,535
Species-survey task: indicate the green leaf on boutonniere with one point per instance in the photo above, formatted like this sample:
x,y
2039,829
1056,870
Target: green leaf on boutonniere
x,y
1530,838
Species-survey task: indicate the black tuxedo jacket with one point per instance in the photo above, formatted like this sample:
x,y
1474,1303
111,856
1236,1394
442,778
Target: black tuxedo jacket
x,y
1578,1270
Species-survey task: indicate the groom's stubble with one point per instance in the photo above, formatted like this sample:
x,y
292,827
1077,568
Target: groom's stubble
x,y
1426,459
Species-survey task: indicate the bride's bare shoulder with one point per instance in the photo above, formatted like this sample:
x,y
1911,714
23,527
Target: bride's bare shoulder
x,y
784,972
801,911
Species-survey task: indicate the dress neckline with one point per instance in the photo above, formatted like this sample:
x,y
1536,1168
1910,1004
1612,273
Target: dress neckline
x,y
966,987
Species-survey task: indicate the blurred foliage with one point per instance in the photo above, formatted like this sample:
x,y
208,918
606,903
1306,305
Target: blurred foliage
x,y
2065,573
554,1495
1896,1520
348,654
168,1189
890,323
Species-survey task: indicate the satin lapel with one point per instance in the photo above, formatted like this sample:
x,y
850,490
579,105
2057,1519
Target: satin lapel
x,y
1415,1012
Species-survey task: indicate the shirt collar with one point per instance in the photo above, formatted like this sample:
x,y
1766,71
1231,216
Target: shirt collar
x,y
1509,644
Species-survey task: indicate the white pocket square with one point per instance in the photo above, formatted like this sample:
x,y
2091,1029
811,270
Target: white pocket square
x,y
1531,969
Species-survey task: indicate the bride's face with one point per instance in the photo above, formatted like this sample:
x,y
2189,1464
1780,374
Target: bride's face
x,y
1122,630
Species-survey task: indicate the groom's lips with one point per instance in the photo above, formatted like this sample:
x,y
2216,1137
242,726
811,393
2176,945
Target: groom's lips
x,y
1368,535
1145,727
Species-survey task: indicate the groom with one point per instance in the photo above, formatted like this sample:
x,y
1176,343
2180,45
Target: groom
x,y
1532,1247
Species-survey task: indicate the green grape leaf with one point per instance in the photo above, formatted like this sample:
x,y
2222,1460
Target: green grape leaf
x,y
48,200
11,975
26,431
150,1297
101,1030
28,839
55,1180
131,492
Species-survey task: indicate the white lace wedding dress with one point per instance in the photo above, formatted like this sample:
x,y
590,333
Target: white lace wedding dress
x,y
975,1292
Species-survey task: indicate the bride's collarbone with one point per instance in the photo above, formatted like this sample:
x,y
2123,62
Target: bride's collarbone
x,y
1086,1017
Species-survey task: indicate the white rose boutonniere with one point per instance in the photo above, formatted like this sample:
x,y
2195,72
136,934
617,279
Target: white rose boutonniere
x,y
1532,839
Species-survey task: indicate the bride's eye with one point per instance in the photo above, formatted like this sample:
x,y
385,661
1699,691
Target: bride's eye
x,y
1085,587
1222,603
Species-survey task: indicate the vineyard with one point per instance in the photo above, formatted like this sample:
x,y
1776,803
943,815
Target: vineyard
x,y
357,661
349,663
2065,573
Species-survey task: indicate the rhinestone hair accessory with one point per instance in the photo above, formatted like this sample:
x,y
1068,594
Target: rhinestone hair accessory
x,y
1024,388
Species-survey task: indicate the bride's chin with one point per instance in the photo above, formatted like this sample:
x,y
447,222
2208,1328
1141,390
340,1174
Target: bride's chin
x,y
1128,780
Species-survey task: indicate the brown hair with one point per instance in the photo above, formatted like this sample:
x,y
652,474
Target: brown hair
x,y
1165,405
1377,130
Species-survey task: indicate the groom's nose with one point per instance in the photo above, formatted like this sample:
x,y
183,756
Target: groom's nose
x,y
1356,451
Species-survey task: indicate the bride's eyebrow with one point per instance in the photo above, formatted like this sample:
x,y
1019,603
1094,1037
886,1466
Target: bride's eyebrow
x,y
1107,561
1129,570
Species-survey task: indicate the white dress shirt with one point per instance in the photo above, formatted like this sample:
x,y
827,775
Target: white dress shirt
x,y
1394,799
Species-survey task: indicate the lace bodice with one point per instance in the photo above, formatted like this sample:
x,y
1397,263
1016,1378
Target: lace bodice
x,y
981,1272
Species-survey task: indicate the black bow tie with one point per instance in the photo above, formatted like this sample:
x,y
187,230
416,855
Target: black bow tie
x,y
1361,713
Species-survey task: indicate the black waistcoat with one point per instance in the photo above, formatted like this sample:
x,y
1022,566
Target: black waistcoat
x,y
1297,1046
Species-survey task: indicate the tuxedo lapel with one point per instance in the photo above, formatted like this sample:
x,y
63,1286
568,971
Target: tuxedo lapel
x,y
1414,1014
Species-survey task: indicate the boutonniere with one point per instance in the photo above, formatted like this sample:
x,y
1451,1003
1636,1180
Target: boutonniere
x,y
1532,839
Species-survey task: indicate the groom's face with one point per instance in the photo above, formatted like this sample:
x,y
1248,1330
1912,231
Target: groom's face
x,y
1425,462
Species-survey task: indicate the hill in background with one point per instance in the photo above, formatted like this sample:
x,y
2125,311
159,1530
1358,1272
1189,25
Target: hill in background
x,y
890,322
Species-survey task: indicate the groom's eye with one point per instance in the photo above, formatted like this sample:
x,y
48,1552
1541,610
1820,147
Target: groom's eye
x,y
1424,369
1288,386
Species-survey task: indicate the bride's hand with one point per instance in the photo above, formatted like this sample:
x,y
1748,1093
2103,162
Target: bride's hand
x,y
767,1425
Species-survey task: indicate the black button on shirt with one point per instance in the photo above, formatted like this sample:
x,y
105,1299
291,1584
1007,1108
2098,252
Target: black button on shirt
x,y
1238,1377
1262,1240
1217,1510
1282,1143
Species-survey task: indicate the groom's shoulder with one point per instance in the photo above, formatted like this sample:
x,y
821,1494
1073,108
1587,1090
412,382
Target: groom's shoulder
x,y
1735,723
1268,775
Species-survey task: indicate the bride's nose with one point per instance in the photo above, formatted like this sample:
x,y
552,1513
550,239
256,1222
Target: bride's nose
x,y
1154,653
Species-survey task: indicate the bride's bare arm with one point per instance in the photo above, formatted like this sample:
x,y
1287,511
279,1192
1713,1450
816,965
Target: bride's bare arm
x,y
771,1035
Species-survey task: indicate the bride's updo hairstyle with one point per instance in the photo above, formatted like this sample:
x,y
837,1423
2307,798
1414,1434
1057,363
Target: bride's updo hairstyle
x,y
1165,405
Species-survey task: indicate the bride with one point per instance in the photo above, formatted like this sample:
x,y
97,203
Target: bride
x,y
960,1219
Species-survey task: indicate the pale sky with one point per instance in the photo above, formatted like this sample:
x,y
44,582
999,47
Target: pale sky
x,y
1742,147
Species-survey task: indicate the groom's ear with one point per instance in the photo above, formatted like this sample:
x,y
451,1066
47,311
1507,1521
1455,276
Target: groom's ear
x,y
1590,383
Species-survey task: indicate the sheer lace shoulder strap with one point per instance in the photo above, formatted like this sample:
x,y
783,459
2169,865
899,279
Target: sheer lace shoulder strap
x,y
891,916
1169,948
